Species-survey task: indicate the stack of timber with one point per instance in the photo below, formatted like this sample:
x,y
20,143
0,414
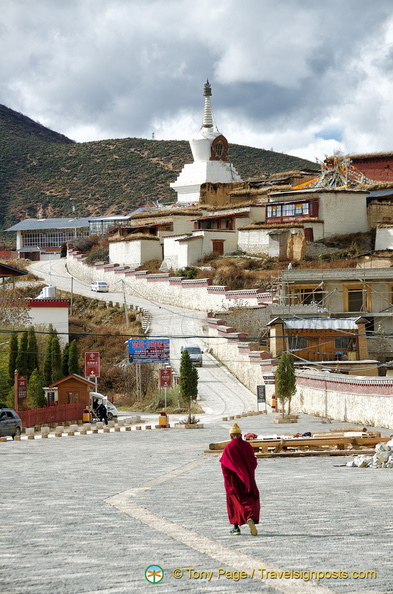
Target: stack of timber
x,y
337,443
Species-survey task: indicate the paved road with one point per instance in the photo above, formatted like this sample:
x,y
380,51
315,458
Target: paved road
x,y
220,394
89,514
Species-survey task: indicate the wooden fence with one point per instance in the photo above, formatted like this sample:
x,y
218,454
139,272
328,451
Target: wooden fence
x,y
51,414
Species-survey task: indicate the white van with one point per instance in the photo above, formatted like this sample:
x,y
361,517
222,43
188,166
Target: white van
x,y
195,353
111,408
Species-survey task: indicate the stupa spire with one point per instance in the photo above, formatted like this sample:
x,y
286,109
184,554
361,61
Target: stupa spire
x,y
207,112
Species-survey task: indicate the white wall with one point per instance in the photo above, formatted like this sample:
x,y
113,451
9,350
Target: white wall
x,y
384,238
57,316
253,241
133,253
343,212
191,294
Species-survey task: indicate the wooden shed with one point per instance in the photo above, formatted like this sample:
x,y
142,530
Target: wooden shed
x,y
73,389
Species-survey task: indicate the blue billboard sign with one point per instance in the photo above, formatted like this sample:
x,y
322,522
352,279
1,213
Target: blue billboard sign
x,y
148,350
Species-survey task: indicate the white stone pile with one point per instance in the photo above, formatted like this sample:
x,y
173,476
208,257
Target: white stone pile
x,y
383,457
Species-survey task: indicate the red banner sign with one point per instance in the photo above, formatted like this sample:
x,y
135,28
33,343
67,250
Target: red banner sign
x,y
22,387
92,365
165,378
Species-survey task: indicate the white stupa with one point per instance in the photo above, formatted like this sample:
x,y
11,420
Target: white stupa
x,y
209,150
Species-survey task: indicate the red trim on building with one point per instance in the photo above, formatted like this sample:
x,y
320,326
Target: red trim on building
x,y
48,302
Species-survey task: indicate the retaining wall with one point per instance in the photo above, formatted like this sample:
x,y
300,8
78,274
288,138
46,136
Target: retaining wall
x,y
197,294
353,399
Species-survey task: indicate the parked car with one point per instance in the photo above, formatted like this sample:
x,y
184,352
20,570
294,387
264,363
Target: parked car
x,y
195,353
10,422
99,287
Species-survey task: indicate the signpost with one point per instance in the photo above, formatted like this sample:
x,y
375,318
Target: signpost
x,y
148,351
261,395
269,379
22,387
92,366
165,380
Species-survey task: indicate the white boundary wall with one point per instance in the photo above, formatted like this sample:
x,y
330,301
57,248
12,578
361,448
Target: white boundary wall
x,y
191,294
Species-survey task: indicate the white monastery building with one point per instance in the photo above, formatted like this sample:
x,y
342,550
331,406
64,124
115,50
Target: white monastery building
x,y
209,150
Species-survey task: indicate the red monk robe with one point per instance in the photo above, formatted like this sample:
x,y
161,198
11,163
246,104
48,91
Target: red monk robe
x,y
238,465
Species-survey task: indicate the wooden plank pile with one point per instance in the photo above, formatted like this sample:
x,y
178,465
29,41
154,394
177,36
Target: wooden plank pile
x,y
333,443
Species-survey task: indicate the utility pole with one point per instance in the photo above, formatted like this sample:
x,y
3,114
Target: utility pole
x,y
125,302
72,293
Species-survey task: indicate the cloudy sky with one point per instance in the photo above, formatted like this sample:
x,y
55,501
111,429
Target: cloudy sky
x,y
302,77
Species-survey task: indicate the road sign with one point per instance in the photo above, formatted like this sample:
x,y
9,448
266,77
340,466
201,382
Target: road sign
x,y
92,365
165,378
148,351
22,387
269,379
261,393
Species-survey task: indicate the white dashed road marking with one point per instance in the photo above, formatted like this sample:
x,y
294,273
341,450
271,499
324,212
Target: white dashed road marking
x,y
225,555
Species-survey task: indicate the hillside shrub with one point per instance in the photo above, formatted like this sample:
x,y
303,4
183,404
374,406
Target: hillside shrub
x,y
98,253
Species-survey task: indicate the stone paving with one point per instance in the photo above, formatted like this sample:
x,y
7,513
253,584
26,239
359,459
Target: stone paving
x,y
90,513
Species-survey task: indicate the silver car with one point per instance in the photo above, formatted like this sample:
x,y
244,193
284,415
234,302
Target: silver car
x,y
10,423
99,287
195,353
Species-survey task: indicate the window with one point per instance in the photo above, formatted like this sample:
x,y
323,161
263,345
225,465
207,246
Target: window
x,y
345,343
305,295
219,148
297,342
51,238
289,209
355,300
274,211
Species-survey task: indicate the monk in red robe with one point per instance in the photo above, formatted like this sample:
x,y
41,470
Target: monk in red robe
x,y
238,463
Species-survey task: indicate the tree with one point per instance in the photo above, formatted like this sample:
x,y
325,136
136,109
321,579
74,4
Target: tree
x,y
65,359
21,360
57,370
32,352
285,381
4,387
73,363
48,357
12,357
35,392
188,381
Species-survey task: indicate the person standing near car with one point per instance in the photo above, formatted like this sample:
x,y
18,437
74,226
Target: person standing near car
x,y
102,413
238,463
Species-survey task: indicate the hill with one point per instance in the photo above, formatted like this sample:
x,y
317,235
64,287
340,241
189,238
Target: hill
x,y
43,173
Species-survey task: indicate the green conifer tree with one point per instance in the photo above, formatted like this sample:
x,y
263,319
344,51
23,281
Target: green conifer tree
x,y
4,387
285,381
32,352
48,358
73,363
57,370
21,360
188,381
65,358
12,357
35,393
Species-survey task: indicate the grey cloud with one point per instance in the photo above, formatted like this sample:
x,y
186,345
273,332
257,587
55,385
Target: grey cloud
x,y
120,65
